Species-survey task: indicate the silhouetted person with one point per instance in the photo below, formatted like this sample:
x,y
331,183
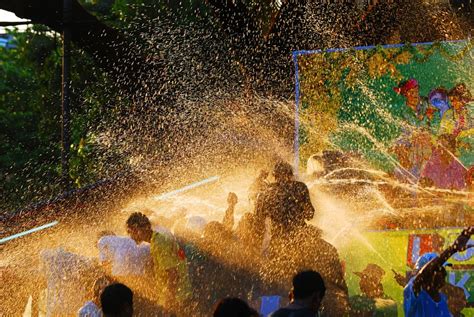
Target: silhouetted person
x,y
422,296
234,307
228,220
305,297
371,281
117,301
258,186
372,301
286,202
169,261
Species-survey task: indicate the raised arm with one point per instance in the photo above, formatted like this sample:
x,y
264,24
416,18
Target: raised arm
x,y
308,206
424,278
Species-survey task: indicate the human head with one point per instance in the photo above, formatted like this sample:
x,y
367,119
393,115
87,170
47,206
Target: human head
x,y
117,301
232,199
425,259
410,90
282,171
371,280
439,99
234,307
139,227
459,96
309,286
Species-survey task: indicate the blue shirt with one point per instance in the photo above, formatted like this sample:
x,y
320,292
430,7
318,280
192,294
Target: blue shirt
x,y
423,305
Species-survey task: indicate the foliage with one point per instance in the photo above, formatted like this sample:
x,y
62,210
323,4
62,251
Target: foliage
x,y
30,119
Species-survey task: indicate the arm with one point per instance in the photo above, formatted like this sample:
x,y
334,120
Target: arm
x,y
424,278
228,220
308,206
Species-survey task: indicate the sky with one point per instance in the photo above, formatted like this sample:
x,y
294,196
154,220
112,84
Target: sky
x,y
6,16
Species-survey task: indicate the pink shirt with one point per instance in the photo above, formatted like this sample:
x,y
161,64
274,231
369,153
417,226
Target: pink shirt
x,y
447,176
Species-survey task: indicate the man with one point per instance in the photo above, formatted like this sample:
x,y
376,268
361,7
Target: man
x,y
117,301
417,113
258,186
286,202
422,296
234,307
438,98
454,294
461,115
306,296
121,256
228,220
169,261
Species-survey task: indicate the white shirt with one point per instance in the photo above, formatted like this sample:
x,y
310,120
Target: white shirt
x,y
126,257
89,309
65,273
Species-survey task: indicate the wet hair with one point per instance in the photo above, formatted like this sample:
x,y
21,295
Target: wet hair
x,y
283,170
115,298
138,220
234,307
307,283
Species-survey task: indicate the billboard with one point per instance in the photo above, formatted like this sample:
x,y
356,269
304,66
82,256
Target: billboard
x,y
396,106
404,116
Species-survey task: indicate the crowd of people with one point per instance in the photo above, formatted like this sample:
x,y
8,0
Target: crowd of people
x,y
248,268
436,148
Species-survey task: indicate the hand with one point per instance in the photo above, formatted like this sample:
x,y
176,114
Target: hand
x,y
232,199
401,280
461,242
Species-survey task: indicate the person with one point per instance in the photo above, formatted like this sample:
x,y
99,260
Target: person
x,y
461,115
92,307
438,99
416,109
422,296
454,295
371,281
315,166
121,256
443,170
169,261
234,307
228,220
286,202
250,232
305,297
373,298
258,185
117,301
68,278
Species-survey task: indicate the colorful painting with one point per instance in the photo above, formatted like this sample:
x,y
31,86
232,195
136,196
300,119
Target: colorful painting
x,y
407,110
